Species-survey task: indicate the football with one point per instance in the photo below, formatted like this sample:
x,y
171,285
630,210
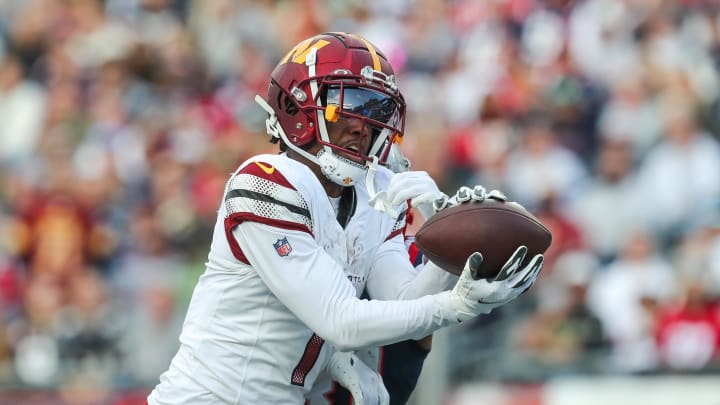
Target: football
x,y
491,227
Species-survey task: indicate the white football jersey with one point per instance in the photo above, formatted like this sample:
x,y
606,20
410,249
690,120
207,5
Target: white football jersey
x,y
283,278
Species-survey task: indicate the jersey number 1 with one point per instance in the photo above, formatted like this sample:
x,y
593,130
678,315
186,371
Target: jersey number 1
x,y
308,360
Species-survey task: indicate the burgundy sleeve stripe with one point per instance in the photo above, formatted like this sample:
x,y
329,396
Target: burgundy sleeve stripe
x,y
240,217
308,360
233,220
394,234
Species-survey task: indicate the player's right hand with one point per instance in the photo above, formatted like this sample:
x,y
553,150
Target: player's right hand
x,y
465,194
414,186
364,383
472,297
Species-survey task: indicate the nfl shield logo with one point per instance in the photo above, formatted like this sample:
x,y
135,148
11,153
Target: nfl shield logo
x,y
282,247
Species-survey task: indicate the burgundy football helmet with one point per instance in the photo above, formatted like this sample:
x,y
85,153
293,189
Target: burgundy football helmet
x,y
328,77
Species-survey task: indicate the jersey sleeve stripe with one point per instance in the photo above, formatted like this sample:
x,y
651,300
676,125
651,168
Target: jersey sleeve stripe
x,y
260,193
253,195
235,219
264,198
394,234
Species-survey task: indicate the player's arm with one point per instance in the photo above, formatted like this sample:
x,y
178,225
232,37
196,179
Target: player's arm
x,y
393,277
265,212
269,226
313,286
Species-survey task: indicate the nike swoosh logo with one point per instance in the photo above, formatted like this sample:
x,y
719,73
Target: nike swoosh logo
x,y
267,169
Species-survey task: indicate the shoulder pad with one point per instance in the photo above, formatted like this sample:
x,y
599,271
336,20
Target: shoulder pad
x,y
259,192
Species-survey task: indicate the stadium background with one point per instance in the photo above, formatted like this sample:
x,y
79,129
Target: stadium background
x,y
120,121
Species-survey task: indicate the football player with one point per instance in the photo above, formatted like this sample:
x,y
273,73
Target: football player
x,y
297,242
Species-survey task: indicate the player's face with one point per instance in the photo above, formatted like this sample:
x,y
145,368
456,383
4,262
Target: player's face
x,y
351,134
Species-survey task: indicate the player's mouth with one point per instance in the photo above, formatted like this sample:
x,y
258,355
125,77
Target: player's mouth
x,y
355,148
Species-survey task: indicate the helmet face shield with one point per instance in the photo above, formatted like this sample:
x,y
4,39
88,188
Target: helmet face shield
x,y
363,103
381,111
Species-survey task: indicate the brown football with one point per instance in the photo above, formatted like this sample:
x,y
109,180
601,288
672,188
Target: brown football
x,y
491,227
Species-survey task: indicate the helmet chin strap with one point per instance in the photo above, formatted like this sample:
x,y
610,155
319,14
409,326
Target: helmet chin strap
x,y
339,170
274,129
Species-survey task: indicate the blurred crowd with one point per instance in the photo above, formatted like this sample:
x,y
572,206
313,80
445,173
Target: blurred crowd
x,y
120,121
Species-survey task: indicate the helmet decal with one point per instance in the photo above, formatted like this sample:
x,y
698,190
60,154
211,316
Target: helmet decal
x,y
300,52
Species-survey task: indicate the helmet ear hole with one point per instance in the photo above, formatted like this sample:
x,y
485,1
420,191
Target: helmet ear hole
x,y
290,107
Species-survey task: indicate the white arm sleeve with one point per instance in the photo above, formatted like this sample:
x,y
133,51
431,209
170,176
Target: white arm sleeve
x,y
393,277
314,288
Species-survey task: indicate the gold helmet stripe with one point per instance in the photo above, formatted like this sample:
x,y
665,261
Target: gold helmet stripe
x,y
373,52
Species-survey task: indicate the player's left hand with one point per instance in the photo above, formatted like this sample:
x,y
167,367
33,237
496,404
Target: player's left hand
x,y
474,296
416,186
364,383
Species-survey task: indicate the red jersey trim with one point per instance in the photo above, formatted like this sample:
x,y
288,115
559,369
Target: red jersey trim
x,y
235,219
394,234
266,171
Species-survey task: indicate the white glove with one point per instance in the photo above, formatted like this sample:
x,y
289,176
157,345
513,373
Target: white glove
x,y
370,356
465,194
364,383
416,186
473,297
